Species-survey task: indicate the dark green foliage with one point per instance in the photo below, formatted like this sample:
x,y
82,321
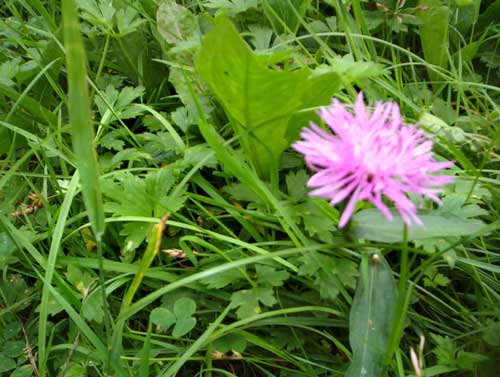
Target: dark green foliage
x,y
190,246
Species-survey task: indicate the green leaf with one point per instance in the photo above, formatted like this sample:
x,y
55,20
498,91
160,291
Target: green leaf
x,y
184,308
270,276
231,7
82,131
434,33
370,320
315,221
296,183
230,342
128,20
6,364
13,348
80,280
371,225
120,102
25,371
285,15
317,91
92,308
241,192
223,279
162,317
247,301
352,70
176,23
7,248
260,100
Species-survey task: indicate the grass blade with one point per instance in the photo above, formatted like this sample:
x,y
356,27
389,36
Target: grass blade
x,y
79,112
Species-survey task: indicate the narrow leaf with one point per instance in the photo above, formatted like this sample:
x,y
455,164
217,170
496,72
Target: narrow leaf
x,y
371,317
434,33
79,112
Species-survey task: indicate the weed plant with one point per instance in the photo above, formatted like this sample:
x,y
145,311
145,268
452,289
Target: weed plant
x,y
154,220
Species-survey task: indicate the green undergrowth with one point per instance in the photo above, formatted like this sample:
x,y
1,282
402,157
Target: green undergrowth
x,y
154,220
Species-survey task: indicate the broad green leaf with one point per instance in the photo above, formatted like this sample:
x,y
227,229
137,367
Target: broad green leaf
x,y
6,364
370,320
317,91
176,23
259,100
434,33
26,371
13,348
268,106
285,15
371,225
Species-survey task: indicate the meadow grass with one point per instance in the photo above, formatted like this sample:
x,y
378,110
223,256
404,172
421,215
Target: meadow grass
x,y
154,220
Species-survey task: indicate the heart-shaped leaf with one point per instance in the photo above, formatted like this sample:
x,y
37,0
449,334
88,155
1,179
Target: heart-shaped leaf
x,y
162,317
184,309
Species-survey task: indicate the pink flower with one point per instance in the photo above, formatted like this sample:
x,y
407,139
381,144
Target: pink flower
x,y
368,156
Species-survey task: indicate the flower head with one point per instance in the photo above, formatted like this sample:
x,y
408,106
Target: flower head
x,y
370,155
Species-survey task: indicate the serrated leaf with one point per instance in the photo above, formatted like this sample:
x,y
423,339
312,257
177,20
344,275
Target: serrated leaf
x,y
198,153
121,102
80,280
371,225
111,140
315,222
222,279
353,70
328,273
296,183
270,276
92,309
241,192
162,317
183,118
370,319
128,20
248,301
99,12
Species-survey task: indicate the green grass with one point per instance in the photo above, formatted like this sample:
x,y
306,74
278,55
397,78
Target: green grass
x,y
151,224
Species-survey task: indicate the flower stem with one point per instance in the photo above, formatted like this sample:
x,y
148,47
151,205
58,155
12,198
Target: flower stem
x,y
404,295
